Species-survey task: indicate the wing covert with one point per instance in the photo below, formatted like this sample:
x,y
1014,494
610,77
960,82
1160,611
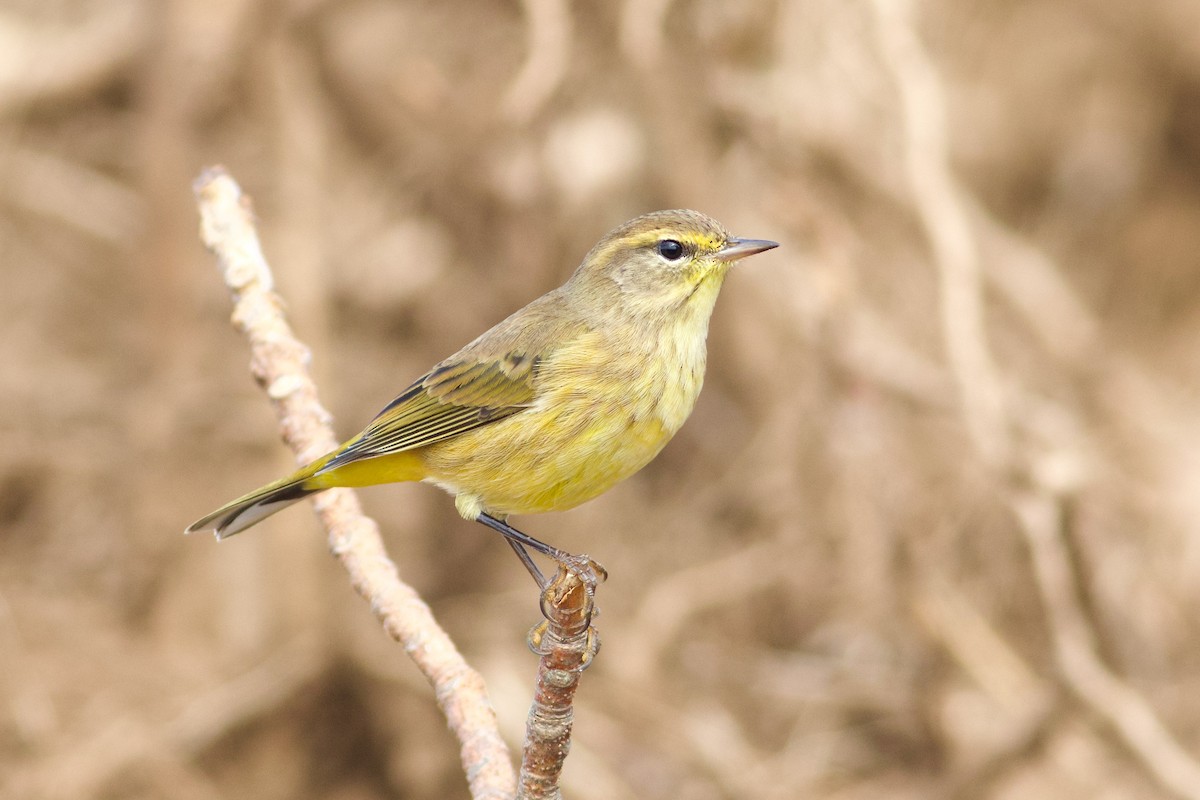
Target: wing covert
x,y
457,396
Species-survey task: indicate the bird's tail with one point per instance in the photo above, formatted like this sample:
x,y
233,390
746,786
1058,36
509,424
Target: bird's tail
x,y
330,470
236,516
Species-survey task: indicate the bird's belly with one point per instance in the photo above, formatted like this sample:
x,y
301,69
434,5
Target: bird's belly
x,y
551,457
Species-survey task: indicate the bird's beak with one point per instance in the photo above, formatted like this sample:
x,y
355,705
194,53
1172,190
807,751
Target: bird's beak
x,y
736,248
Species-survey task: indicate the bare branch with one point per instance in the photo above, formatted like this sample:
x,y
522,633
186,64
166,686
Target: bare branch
x,y
567,643
280,363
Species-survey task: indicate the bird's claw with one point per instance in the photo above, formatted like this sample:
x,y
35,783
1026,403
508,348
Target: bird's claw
x,y
537,643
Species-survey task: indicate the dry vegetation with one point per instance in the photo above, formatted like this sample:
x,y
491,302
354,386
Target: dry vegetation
x,y
932,531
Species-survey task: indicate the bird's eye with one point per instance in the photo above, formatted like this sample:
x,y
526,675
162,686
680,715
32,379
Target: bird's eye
x,y
670,249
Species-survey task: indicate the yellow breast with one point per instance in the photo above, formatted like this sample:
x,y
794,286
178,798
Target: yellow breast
x,y
601,414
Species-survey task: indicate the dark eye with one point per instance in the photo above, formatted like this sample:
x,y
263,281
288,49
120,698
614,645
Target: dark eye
x,y
670,249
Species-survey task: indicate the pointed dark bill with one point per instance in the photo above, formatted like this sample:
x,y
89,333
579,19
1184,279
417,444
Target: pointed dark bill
x,y
736,248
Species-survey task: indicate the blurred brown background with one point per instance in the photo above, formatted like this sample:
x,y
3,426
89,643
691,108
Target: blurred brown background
x,y
930,533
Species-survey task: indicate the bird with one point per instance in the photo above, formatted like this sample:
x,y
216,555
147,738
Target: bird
x,y
554,405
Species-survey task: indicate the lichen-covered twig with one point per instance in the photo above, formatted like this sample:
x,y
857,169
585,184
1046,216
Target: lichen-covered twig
x,y
280,363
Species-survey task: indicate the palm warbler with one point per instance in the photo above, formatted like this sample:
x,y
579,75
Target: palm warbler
x,y
553,406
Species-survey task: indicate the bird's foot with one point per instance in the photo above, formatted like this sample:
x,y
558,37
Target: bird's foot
x,y
568,604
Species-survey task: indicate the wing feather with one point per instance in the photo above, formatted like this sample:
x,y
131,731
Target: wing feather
x,y
490,379
459,395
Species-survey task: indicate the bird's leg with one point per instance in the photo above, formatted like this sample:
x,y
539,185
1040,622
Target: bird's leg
x,y
582,569
514,535
587,568
527,560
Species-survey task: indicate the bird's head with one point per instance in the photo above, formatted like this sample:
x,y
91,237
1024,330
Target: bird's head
x,y
663,261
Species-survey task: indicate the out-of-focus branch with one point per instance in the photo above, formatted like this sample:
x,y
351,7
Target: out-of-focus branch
x,y
1128,713
280,363
936,197
1036,288
84,764
946,214
566,643
642,25
47,63
71,192
669,604
549,25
